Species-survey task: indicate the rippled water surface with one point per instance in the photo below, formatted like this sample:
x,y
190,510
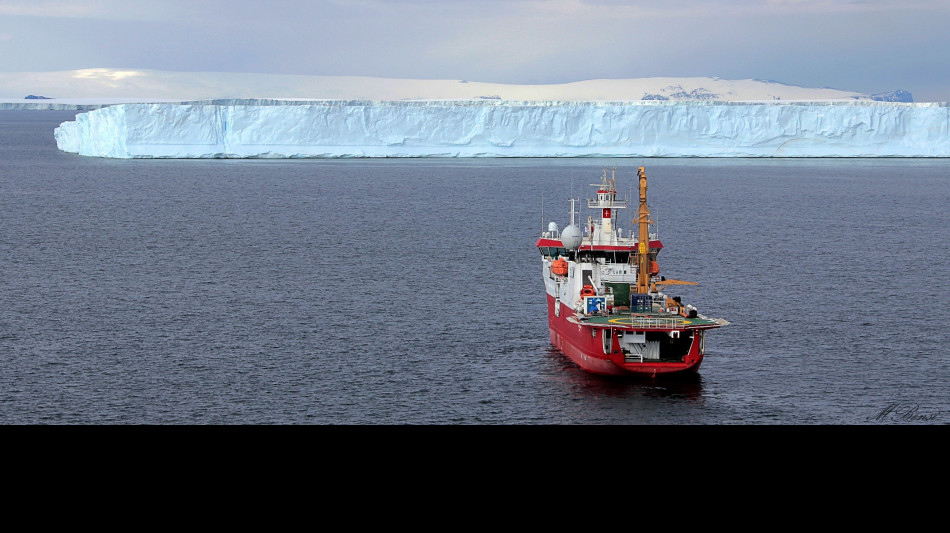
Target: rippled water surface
x,y
409,291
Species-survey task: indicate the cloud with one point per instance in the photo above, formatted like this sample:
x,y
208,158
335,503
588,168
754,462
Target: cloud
x,y
88,9
834,43
115,75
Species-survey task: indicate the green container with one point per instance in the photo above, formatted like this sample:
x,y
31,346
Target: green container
x,y
621,292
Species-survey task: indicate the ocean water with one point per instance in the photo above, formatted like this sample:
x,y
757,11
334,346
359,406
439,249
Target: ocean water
x,y
374,292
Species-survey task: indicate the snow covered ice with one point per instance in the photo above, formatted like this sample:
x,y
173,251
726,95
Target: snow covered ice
x,y
260,128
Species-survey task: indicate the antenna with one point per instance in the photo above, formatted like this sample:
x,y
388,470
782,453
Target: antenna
x,y
542,212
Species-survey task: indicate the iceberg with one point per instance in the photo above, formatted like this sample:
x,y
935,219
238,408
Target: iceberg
x,y
262,128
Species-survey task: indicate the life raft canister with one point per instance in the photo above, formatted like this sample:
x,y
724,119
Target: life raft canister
x,y
588,290
559,267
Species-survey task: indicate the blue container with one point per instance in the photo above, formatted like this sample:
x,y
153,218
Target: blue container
x,y
641,303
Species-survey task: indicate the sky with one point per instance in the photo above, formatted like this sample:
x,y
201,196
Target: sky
x,y
867,46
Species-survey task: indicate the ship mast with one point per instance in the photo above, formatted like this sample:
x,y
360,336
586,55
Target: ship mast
x,y
643,237
606,201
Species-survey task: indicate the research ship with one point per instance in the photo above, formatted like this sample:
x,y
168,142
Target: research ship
x,y
608,310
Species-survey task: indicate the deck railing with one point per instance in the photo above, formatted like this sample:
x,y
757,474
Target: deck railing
x,y
645,322
656,322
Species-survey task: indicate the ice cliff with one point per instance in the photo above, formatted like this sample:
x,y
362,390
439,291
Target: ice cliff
x,y
504,128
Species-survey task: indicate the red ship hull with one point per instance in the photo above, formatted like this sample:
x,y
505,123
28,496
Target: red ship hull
x,y
584,345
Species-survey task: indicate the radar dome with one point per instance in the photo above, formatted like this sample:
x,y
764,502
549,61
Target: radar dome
x,y
571,237
552,227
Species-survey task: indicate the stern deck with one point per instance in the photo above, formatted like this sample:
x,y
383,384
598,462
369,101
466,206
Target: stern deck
x,y
649,321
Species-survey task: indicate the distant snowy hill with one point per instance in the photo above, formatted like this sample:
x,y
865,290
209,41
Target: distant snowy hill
x,y
109,86
893,96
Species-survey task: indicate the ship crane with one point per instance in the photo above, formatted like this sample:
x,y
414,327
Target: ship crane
x,y
643,236
660,284
644,270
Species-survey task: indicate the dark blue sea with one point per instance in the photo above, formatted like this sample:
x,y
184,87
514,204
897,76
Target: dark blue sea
x,y
392,292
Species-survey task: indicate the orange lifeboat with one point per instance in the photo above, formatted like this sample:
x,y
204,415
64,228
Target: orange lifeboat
x,y
559,267
654,268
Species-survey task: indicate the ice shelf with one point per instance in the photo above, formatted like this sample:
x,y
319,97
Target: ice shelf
x,y
261,128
